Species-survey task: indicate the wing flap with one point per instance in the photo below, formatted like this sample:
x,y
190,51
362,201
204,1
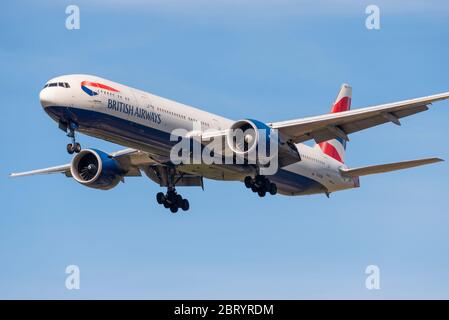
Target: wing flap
x,y
364,171
379,119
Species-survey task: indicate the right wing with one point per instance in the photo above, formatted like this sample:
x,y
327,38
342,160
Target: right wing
x,y
364,171
341,124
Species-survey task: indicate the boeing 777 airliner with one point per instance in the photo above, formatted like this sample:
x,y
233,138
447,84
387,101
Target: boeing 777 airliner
x,y
144,123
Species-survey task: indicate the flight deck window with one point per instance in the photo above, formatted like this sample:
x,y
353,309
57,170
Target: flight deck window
x,y
57,84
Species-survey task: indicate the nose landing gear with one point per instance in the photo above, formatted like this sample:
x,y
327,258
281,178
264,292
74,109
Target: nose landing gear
x,y
260,185
73,147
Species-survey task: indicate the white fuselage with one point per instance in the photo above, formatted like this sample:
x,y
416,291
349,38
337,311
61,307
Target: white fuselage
x,y
140,120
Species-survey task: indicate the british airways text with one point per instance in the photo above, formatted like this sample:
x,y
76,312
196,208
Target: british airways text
x,y
133,111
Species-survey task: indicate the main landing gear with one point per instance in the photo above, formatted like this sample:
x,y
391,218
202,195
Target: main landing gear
x,y
172,200
73,147
261,185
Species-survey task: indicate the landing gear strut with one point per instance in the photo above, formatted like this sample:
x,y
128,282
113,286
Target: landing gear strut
x,y
73,147
172,200
261,185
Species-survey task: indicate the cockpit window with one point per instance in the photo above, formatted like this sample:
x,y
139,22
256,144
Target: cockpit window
x,y
57,84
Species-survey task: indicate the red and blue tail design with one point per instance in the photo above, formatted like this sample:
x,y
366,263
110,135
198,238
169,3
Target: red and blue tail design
x,y
335,148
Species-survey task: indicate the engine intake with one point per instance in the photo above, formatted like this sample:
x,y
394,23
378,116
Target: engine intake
x,y
96,169
246,137
256,141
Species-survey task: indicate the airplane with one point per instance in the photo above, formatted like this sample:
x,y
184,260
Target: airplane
x,y
142,123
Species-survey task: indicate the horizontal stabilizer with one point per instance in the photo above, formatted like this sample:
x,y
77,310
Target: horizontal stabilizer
x,y
364,171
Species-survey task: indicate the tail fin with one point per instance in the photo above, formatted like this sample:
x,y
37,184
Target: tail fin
x,y
335,148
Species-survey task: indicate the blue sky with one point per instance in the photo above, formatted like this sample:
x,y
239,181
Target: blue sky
x,y
269,60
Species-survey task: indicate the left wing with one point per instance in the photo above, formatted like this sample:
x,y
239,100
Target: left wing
x,y
65,168
341,124
128,158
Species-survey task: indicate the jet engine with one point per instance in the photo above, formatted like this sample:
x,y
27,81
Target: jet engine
x,y
254,140
96,169
246,136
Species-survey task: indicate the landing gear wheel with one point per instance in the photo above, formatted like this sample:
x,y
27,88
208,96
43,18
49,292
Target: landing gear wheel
x,y
185,205
261,185
248,182
273,189
160,198
172,200
179,200
70,148
77,147
267,185
171,196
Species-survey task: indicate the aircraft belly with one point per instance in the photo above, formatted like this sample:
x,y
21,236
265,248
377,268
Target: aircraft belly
x,y
219,172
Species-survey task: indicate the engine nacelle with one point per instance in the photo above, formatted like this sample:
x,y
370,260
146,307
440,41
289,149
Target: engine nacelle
x,y
247,137
257,141
96,169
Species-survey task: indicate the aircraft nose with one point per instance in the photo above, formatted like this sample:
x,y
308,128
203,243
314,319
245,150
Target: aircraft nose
x,y
46,97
